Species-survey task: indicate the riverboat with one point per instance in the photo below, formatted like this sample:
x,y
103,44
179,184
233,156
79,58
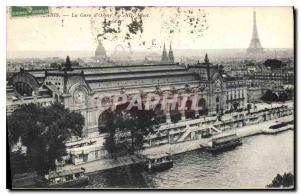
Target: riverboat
x,y
72,178
278,127
223,143
158,162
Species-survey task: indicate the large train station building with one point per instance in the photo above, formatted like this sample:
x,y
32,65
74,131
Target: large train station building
x,y
81,88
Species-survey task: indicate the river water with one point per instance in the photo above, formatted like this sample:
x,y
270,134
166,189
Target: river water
x,y
251,165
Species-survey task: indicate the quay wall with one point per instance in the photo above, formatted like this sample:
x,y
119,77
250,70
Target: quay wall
x,y
105,164
186,146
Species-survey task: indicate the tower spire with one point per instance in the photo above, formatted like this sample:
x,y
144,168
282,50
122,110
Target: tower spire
x,y
171,54
164,57
255,47
254,19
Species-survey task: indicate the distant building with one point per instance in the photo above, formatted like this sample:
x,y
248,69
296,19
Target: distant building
x,y
100,53
282,78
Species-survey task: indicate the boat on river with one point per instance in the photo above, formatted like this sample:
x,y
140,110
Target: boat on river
x,y
158,162
72,178
219,144
278,127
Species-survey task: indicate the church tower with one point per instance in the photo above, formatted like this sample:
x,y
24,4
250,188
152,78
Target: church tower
x,y
164,57
171,55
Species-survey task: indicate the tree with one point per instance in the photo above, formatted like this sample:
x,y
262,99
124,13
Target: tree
x,y
175,116
283,96
249,108
110,143
274,63
44,130
190,114
112,121
269,96
290,93
286,180
19,163
159,114
138,122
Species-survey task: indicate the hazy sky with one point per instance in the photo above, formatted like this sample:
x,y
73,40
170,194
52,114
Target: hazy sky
x,y
216,27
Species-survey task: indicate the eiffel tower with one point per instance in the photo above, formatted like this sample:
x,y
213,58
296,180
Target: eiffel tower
x,y
255,48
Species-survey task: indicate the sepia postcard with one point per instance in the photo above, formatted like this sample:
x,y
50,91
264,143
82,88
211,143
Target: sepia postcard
x,y
139,97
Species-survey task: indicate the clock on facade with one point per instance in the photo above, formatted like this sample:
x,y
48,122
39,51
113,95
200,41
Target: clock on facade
x,y
79,96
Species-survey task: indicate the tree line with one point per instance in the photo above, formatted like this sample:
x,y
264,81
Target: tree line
x,y
43,131
126,129
270,96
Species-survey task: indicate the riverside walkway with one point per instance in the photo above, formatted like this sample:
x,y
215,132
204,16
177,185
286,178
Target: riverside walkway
x,y
107,163
255,129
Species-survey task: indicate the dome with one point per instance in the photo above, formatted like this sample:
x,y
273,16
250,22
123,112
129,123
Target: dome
x,y
100,51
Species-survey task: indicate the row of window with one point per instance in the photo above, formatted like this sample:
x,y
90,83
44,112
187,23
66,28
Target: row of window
x,y
49,83
272,78
272,75
122,83
236,94
55,78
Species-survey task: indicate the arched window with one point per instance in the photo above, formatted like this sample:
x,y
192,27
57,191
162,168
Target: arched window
x,y
23,89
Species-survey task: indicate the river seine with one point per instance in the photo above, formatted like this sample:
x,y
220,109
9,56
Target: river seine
x,y
251,165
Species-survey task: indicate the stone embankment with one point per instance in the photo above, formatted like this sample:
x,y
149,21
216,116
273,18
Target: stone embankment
x,y
177,148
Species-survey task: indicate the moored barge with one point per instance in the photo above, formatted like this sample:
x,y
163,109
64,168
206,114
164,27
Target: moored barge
x,y
278,127
158,162
223,143
73,178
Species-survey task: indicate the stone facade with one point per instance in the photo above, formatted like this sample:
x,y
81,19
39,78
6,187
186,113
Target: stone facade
x,y
80,89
